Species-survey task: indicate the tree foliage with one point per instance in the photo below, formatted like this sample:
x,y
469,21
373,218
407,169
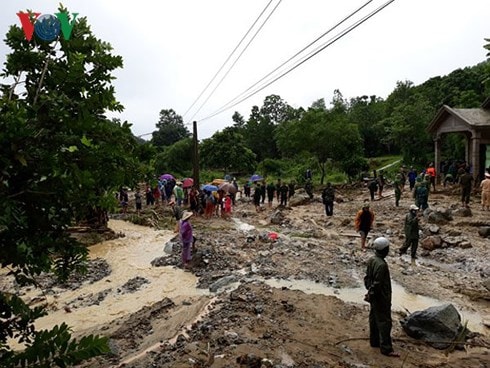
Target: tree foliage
x,y
61,161
176,158
226,151
324,134
262,123
170,129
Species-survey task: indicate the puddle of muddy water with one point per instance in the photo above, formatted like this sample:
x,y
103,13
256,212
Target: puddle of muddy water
x,y
401,299
128,257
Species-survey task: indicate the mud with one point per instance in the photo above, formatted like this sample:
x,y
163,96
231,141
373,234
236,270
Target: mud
x,y
264,309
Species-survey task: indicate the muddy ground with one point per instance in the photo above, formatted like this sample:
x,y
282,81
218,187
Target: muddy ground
x,y
245,322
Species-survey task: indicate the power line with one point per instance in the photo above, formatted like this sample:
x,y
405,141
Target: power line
x,y
318,50
239,56
228,58
297,53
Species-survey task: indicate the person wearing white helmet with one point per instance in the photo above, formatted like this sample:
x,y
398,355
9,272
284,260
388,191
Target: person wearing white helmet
x,y
411,228
378,283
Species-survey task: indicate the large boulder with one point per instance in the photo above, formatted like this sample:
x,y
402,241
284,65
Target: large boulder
x,y
435,325
440,216
431,242
299,199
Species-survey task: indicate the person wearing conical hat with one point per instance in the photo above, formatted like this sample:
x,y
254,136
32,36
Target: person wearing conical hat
x,y
187,238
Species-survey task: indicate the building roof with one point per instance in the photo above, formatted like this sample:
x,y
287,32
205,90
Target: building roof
x,y
473,118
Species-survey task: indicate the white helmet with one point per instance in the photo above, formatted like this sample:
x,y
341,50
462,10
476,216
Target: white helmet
x,y
381,243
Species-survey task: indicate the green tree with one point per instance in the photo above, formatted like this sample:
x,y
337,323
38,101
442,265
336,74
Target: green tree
x,y
175,159
326,135
367,112
408,122
170,129
261,125
226,151
238,120
61,161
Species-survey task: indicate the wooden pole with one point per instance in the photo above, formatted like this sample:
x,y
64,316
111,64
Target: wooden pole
x,y
195,155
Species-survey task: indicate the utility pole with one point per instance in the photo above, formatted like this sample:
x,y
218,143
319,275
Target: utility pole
x,y
195,155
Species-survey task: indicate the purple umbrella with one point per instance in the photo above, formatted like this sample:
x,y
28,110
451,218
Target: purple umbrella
x,y
166,177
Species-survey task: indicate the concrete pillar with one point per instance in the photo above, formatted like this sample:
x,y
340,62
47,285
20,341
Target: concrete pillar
x,y
437,158
475,157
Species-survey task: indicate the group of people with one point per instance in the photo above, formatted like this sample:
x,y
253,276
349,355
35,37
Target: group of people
x,y
262,190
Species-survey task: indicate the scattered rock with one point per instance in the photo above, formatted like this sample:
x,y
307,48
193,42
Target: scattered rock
x,y
440,216
222,282
277,218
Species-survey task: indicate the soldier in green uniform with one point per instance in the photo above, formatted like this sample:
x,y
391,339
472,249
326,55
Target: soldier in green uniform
x,y
411,233
378,283
398,186
421,193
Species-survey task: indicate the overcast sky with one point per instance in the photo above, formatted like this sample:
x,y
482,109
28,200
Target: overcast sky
x,y
173,48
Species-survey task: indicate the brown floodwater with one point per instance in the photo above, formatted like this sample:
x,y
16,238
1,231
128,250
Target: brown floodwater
x,y
128,257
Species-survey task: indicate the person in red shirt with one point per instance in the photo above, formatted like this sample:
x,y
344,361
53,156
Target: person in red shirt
x,y
431,171
227,206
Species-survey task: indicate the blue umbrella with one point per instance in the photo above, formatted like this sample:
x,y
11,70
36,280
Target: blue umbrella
x,y
256,177
209,188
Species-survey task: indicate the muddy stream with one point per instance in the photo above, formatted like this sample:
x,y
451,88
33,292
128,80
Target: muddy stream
x,y
129,257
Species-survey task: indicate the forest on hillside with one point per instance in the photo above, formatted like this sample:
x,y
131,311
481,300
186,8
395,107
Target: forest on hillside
x,y
343,133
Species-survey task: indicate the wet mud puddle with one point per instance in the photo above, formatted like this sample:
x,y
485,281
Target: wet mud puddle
x,y
402,300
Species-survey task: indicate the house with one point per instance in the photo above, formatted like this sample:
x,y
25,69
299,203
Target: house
x,y
474,124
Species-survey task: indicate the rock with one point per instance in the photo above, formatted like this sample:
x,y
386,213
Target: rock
x,y
434,229
454,241
463,212
440,216
277,218
431,242
339,198
465,244
484,231
299,199
435,325
249,361
222,282
454,232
